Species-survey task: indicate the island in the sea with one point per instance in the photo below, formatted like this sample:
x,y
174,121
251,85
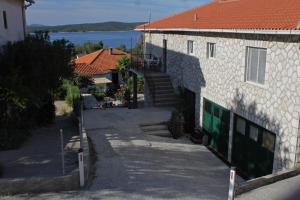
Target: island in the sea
x,y
102,26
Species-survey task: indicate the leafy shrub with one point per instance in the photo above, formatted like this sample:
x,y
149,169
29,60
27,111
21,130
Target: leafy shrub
x,y
73,93
176,124
31,71
123,95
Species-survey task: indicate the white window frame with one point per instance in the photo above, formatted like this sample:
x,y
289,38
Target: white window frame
x,y
248,61
211,50
190,47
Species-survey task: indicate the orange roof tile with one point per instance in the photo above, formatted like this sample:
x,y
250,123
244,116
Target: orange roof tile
x,y
235,14
86,69
100,60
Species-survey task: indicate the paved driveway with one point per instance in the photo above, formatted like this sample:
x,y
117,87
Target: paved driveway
x,y
133,165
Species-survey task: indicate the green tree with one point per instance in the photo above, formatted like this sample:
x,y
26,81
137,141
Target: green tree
x,y
88,47
31,71
122,47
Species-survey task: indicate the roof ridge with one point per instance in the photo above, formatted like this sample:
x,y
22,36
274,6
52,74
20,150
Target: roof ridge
x,y
100,52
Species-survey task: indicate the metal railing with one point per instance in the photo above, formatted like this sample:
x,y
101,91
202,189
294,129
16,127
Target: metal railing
x,y
146,63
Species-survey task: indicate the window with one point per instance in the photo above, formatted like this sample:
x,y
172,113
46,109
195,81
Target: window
x,y
256,64
241,126
207,106
211,50
190,47
5,20
216,112
268,141
253,134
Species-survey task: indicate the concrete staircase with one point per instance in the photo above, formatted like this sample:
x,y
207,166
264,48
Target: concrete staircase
x,y
161,90
160,130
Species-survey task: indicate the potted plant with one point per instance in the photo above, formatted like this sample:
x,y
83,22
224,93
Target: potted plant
x,y
176,124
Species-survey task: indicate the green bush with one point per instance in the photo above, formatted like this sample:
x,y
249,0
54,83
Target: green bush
x,y
176,124
31,71
73,93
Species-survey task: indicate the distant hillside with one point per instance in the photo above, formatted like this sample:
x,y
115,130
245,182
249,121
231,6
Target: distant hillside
x,y
104,26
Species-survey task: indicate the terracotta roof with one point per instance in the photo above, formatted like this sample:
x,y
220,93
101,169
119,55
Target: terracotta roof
x,y
86,69
101,60
235,14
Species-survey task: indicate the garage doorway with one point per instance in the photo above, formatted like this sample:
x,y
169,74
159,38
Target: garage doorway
x,y
216,121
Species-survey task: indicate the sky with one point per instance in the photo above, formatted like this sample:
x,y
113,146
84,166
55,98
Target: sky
x,y
59,12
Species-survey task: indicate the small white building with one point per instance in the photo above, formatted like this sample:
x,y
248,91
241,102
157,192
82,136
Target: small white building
x,y
13,20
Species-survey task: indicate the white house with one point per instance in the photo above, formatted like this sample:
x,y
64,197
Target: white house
x,y
13,20
239,63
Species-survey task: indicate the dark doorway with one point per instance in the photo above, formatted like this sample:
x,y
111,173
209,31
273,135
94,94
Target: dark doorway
x,y
253,148
165,47
115,78
189,111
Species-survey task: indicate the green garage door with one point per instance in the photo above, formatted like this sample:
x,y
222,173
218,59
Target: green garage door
x,y
253,148
216,123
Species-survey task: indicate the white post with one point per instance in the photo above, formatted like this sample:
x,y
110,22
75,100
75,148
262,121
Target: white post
x,y
62,151
81,167
232,183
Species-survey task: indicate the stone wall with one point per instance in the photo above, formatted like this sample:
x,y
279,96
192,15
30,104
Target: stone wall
x,y
274,105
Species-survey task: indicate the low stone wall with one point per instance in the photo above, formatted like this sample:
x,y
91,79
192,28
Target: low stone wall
x,y
265,180
40,184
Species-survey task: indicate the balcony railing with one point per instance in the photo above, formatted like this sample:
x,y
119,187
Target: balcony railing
x,y
145,63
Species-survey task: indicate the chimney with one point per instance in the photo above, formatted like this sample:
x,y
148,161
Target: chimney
x,y
110,51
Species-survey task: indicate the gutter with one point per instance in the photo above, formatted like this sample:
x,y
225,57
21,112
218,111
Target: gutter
x,y
30,2
247,31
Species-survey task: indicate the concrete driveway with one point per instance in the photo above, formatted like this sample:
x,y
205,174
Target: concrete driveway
x,y
133,165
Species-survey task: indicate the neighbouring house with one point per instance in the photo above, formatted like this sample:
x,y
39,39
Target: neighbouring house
x,y
101,65
13,20
239,64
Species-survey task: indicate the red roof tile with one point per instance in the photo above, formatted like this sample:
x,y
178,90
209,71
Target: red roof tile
x,y
101,60
235,14
86,69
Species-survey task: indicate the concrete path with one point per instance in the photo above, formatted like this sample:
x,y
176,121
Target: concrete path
x,y
133,165
288,189
40,155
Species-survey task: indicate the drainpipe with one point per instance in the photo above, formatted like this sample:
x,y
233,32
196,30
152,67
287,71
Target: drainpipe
x,y
24,7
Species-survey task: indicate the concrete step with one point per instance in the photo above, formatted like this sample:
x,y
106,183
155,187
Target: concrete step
x,y
157,75
162,133
166,97
165,94
166,104
162,87
154,127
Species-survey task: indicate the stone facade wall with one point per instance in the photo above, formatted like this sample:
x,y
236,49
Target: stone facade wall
x,y
274,105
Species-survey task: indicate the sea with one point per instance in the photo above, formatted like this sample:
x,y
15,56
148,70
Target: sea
x,y
109,38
